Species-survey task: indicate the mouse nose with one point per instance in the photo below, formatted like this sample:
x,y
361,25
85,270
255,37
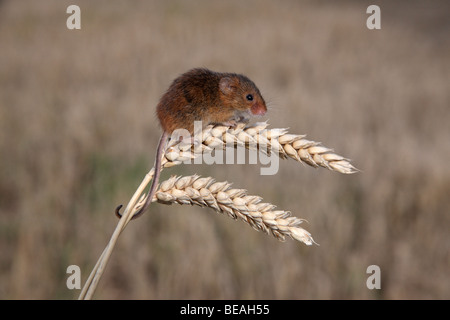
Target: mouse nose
x,y
258,109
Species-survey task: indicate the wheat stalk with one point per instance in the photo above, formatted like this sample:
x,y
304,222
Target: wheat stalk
x,y
261,216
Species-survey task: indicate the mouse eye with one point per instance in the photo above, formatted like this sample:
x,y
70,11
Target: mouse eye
x,y
249,97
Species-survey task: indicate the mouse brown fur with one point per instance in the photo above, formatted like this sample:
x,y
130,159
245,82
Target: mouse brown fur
x,y
203,95
212,97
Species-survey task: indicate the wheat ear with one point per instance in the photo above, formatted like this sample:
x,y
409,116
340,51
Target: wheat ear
x,y
236,203
212,137
256,136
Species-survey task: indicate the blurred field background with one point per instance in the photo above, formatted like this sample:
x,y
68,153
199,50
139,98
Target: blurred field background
x,y
78,134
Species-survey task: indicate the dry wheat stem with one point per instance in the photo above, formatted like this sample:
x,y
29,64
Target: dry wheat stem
x,y
96,273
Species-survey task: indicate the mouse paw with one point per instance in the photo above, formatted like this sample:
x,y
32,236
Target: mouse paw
x,y
230,123
196,141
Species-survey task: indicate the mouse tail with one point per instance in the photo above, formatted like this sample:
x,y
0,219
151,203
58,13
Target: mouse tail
x,y
155,181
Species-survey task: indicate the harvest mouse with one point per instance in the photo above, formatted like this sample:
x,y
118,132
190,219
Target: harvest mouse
x,y
203,95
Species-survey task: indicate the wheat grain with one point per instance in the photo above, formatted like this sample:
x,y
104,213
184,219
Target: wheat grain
x,y
236,203
257,136
220,196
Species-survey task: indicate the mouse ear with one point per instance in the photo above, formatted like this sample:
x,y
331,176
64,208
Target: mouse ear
x,y
227,85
